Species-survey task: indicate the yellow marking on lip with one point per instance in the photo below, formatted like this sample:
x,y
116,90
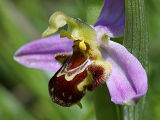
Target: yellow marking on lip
x,y
63,94
70,78
52,89
86,82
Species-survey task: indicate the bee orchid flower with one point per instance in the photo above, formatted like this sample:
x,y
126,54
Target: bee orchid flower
x,y
84,57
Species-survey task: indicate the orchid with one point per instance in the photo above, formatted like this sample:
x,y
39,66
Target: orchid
x,y
84,57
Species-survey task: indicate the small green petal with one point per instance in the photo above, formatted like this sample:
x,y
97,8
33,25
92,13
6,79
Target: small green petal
x,y
76,29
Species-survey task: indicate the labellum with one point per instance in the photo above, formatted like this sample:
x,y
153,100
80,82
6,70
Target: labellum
x,y
78,73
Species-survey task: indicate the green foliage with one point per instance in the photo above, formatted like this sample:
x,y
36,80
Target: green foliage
x,y
153,17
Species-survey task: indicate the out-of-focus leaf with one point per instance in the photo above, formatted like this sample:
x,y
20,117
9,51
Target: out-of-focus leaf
x,y
11,109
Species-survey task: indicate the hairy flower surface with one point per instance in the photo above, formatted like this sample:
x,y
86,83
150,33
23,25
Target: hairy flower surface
x,y
84,57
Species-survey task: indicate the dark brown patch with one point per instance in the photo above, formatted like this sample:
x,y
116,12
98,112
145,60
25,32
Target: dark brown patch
x,y
62,57
63,90
77,59
98,75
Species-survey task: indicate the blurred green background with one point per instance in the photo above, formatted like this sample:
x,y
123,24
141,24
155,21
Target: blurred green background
x,y
24,92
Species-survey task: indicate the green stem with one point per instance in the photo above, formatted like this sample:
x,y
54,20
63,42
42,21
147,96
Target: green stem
x,y
136,41
105,109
